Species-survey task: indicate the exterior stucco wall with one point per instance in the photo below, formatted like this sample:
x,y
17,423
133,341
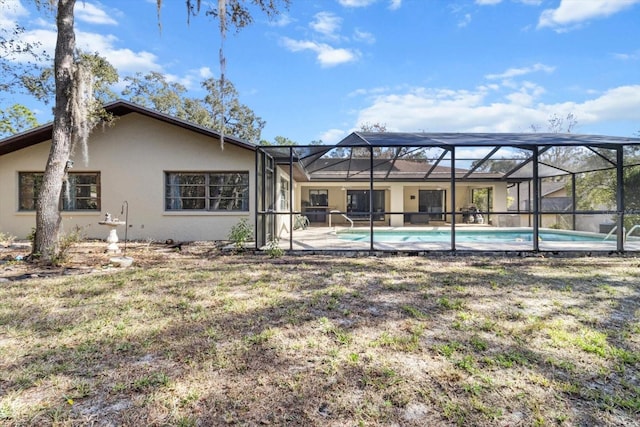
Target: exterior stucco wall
x,y
398,197
132,157
337,198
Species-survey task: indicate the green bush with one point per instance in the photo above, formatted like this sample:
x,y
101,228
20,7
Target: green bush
x,y
241,233
273,248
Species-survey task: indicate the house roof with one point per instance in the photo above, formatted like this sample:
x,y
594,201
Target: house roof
x,y
118,108
387,169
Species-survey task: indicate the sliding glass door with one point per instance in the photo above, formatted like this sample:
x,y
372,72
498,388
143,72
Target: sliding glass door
x,y
358,204
433,203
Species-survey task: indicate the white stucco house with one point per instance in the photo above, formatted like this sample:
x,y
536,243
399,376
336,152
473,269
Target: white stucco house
x,y
180,183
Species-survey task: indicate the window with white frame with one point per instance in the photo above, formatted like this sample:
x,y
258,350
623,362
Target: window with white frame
x,y
207,191
80,192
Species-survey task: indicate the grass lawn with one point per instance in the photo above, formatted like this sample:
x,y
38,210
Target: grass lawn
x,y
197,338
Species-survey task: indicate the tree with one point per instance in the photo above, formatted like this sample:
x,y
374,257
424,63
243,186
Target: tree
x,y
373,127
279,140
560,156
74,100
17,58
15,119
154,91
68,122
43,85
226,112
378,152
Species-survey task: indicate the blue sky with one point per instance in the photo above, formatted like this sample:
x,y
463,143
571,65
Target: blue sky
x,y
324,67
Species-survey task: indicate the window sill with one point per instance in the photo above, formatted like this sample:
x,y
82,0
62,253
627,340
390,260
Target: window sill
x,y
64,213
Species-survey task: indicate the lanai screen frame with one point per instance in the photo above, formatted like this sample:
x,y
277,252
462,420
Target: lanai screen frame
x,y
301,158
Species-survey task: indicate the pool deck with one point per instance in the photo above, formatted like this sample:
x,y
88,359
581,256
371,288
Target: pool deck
x,y
326,239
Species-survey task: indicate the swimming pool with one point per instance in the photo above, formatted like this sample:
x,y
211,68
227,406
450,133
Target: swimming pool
x,y
467,236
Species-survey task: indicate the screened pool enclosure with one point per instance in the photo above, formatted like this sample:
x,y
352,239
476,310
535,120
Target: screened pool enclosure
x,y
420,192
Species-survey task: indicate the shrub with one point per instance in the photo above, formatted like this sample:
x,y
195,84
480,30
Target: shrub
x,y
241,233
273,248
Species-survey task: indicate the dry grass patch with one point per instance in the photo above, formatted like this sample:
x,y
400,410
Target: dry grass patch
x,y
199,338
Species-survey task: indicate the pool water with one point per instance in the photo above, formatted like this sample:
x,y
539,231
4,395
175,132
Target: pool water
x,y
468,236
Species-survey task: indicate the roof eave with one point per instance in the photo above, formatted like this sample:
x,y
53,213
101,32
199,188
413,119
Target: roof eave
x,y
118,108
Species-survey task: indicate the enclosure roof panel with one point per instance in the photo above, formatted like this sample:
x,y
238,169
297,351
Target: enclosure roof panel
x,y
391,139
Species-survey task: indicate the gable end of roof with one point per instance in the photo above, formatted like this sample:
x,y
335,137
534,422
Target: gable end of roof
x,y
117,108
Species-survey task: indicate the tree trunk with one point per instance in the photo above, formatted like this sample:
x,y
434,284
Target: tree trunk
x,y
48,219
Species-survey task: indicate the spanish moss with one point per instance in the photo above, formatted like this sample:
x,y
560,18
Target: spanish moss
x,y
82,101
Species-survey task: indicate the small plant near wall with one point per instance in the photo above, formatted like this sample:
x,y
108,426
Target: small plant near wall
x,y
273,248
241,233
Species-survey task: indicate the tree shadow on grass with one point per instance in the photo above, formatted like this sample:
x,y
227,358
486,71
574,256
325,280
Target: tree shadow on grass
x,y
322,341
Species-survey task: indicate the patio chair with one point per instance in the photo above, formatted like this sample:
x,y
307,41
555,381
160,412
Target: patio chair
x,y
300,222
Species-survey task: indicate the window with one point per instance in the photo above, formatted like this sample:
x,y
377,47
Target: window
x,y
80,192
319,197
433,202
358,204
207,191
482,198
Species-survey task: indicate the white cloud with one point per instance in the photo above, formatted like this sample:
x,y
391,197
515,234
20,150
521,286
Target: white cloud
x,y
356,3
368,92
526,94
621,103
466,19
627,56
494,2
45,40
282,21
326,23
92,14
395,4
363,36
333,136
443,110
571,13
515,72
327,56
205,72
125,60
10,11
